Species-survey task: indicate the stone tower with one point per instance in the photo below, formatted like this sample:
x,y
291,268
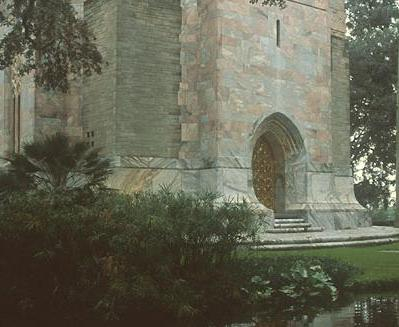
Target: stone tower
x,y
248,101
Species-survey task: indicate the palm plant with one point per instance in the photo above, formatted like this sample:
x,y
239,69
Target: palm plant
x,y
55,163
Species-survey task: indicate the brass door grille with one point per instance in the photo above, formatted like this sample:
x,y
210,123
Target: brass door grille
x,y
264,173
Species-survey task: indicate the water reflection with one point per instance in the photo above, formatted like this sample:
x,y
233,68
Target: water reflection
x,y
368,311
376,311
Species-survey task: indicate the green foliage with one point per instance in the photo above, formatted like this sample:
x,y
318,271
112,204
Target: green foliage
x,y
259,290
73,257
279,3
373,50
308,284
82,258
52,257
50,41
383,217
292,286
273,268
192,240
341,272
55,163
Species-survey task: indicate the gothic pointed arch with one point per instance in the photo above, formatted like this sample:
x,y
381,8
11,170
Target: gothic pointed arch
x,y
276,150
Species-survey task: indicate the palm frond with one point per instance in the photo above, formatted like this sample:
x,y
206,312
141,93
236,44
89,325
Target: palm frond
x,y
56,163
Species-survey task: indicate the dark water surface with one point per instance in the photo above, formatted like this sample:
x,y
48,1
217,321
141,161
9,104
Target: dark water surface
x,y
377,310
364,311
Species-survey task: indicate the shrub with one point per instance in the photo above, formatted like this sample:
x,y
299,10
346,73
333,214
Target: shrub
x,y
83,258
342,273
307,283
293,286
51,257
181,247
302,290
273,268
383,217
55,163
74,256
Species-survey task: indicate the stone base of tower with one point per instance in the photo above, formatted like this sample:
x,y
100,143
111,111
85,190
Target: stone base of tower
x,y
338,208
336,216
329,201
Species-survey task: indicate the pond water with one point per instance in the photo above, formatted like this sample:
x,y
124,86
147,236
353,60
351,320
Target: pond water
x,y
363,311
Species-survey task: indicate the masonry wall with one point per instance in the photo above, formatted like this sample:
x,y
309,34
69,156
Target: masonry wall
x,y
256,77
340,105
132,108
148,78
99,92
58,112
200,37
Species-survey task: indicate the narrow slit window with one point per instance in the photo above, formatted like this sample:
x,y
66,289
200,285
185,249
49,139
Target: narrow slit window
x,y
278,33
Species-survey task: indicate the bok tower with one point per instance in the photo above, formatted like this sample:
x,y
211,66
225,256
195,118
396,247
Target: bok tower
x,y
221,95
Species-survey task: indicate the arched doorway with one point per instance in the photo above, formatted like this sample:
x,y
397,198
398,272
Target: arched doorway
x,y
277,146
264,167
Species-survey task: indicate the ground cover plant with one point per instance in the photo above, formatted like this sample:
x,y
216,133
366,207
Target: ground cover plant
x,y
379,264
291,287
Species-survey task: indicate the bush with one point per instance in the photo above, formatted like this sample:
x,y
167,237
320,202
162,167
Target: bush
x,y
383,217
342,274
175,251
55,163
303,290
51,257
293,286
84,258
73,256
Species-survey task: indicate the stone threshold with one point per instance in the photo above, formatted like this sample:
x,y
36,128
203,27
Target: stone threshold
x,y
374,235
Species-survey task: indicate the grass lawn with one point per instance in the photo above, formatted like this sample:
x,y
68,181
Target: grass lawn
x,y
377,266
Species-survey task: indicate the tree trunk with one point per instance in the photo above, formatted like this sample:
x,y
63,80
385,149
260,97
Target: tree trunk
x,y
397,152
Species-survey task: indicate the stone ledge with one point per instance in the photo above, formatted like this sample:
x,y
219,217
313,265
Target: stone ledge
x,y
282,247
354,237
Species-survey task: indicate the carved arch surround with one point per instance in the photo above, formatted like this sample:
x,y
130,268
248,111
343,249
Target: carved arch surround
x,y
278,148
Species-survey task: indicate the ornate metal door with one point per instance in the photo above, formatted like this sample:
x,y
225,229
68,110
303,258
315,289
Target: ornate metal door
x,y
264,173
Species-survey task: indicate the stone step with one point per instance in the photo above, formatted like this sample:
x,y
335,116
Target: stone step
x,y
318,245
293,225
328,237
288,215
289,221
295,230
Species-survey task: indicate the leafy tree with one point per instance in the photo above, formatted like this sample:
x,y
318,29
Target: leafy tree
x,y
46,38
55,164
373,50
279,3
